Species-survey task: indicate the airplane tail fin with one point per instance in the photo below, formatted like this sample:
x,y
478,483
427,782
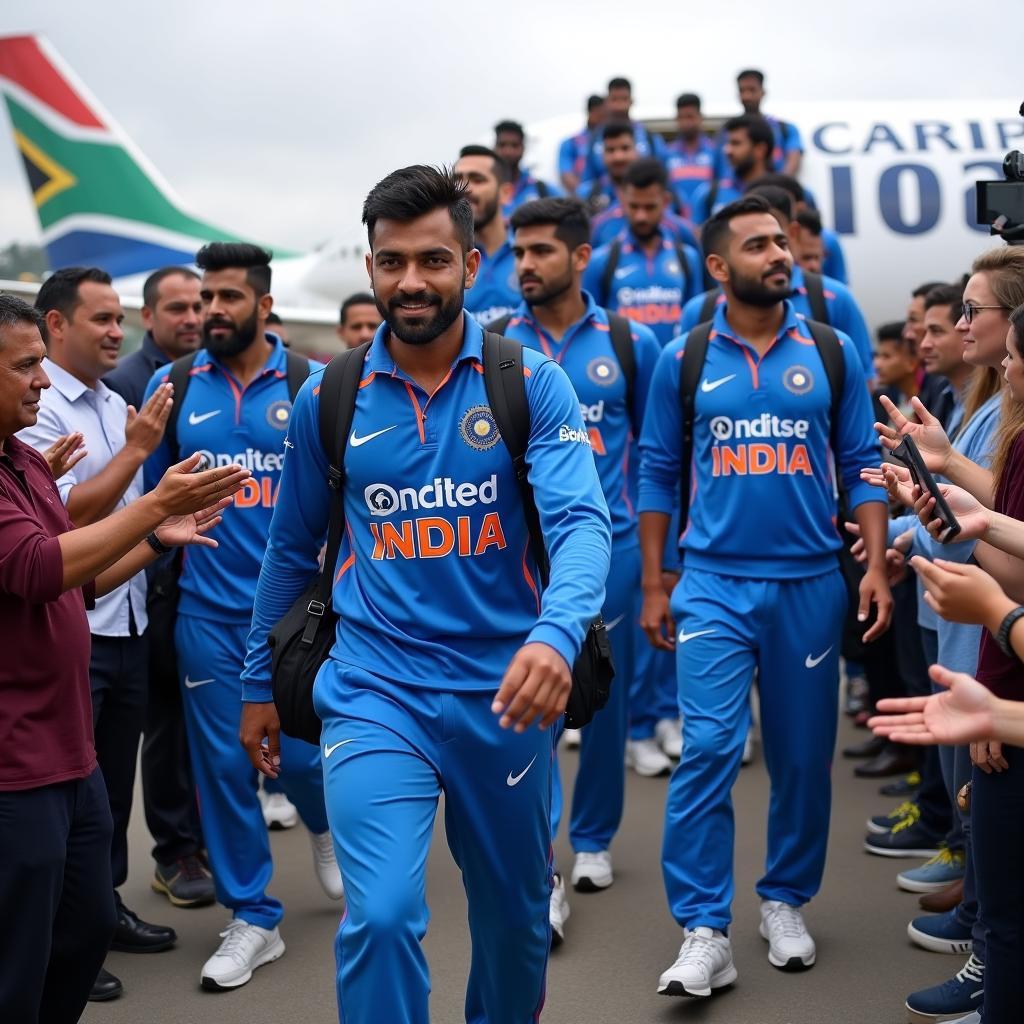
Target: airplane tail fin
x,y
98,199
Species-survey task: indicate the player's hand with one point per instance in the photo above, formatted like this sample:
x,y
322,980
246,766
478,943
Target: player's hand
x,y
874,590
65,453
177,531
145,428
535,688
988,756
959,593
181,491
962,714
895,566
928,434
894,480
973,517
260,723
656,618
669,581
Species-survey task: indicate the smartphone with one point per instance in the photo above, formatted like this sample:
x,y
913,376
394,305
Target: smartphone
x,y
908,453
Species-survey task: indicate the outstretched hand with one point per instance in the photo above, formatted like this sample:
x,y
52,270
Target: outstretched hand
x,y
65,453
177,531
928,434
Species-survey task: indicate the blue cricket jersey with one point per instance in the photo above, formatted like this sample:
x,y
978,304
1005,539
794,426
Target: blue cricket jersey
x,y
843,313
495,293
229,423
586,354
647,144
574,152
611,222
689,167
528,187
787,139
435,582
762,493
647,289
704,204
834,264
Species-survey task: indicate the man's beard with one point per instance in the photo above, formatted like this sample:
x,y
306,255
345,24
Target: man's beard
x,y
755,292
549,290
488,211
425,330
743,169
233,344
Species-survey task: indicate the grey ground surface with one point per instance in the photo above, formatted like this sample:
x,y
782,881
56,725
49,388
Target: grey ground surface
x,y
617,942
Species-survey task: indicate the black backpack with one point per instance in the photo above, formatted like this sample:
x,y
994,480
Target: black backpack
x,y
301,641
815,299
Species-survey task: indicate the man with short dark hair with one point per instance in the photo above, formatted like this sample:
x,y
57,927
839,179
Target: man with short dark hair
x,y
55,824
691,154
646,273
809,248
942,350
172,316
913,325
747,149
574,152
619,103
788,150
359,319
759,551
897,366
237,402
485,175
510,146
449,652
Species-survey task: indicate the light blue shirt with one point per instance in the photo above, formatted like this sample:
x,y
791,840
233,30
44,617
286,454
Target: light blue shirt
x,y
100,415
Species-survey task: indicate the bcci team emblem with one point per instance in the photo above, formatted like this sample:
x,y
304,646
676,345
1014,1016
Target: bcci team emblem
x,y
603,371
278,415
798,379
478,428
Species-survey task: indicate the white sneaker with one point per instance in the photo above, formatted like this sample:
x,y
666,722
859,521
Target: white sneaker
x,y
790,946
646,758
748,747
704,963
669,734
558,911
592,871
972,1018
572,738
325,865
278,811
245,947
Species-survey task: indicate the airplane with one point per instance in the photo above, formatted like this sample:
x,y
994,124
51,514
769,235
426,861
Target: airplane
x,y
895,179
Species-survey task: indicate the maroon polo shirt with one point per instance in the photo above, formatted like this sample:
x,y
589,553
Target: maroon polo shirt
x,y
45,706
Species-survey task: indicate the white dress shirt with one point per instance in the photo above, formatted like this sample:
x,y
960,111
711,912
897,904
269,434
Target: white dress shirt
x,y
100,415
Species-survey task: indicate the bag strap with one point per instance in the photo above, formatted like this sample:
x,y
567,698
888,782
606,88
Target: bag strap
x,y
608,277
707,307
298,371
506,395
816,297
683,267
542,189
338,389
500,325
622,342
830,352
180,376
692,366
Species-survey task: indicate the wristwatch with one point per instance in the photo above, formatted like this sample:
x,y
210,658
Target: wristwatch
x,y
162,549
1003,634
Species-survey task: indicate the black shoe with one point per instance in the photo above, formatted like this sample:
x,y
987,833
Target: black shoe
x,y
871,747
133,935
186,882
906,787
105,987
894,760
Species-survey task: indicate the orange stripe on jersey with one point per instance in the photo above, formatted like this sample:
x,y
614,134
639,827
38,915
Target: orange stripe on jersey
x,y
205,368
797,336
751,364
528,576
478,367
527,372
345,566
419,412
367,380
316,390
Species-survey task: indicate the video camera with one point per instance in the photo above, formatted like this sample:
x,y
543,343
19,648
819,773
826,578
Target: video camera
x,y
1001,203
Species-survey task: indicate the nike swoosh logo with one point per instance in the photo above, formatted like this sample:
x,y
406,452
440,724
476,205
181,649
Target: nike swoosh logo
x,y
710,385
810,662
193,683
609,626
356,441
334,746
624,272
513,780
195,420
684,636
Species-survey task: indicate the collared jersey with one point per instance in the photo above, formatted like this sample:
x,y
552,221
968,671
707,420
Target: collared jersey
x,y
434,582
843,314
650,290
612,222
762,499
707,199
689,167
834,265
229,423
528,187
495,293
647,144
574,152
588,357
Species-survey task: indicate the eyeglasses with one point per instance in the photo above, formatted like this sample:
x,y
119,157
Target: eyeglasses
x,y
970,310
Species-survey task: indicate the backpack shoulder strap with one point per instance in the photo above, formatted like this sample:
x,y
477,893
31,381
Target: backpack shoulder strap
x,y
506,395
298,371
609,272
816,297
180,375
542,189
691,368
500,325
622,342
684,268
831,353
707,307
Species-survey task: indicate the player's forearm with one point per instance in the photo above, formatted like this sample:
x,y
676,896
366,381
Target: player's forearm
x,y
97,497
653,533
872,518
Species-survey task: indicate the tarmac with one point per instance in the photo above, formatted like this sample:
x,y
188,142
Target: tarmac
x,y
617,941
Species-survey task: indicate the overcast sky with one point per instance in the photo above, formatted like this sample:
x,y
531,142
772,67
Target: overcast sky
x,y
273,119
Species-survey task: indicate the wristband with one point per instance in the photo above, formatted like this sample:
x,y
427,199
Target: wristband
x,y
1003,634
162,549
